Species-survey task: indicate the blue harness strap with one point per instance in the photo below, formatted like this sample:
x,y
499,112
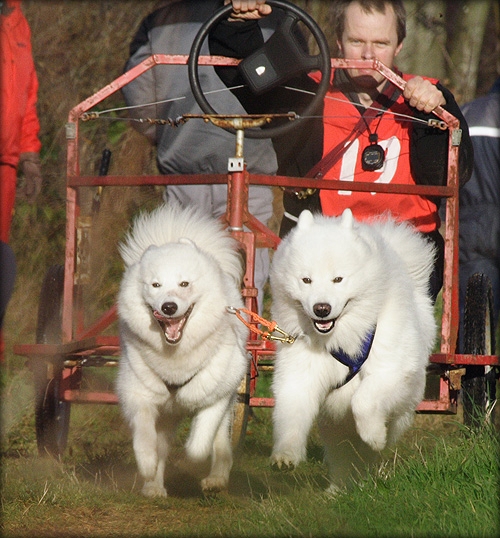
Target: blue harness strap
x,y
354,363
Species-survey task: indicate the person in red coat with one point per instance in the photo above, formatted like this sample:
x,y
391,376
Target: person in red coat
x,y
19,127
372,132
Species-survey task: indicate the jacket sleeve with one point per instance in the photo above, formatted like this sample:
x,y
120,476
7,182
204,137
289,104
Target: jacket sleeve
x,y
429,147
30,129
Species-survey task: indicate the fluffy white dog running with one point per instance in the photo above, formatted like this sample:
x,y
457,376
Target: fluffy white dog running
x,y
356,295
182,353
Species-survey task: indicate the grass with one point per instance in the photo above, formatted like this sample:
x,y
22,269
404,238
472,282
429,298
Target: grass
x,y
442,480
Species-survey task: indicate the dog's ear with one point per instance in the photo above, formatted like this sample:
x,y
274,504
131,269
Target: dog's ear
x,y
146,255
186,241
151,248
306,220
347,220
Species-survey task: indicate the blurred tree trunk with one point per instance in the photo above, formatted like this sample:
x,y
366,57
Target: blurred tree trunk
x,y
468,20
424,48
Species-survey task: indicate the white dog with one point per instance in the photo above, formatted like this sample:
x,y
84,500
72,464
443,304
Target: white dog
x,y
356,295
183,354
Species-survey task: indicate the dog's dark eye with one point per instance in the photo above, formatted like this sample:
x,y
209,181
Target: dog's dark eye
x,y
338,279
184,284
306,280
156,285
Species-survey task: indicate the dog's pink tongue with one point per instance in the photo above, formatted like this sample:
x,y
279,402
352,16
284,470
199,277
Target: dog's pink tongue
x,y
173,328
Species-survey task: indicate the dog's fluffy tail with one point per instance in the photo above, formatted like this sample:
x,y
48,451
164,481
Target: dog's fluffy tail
x,y
170,222
417,253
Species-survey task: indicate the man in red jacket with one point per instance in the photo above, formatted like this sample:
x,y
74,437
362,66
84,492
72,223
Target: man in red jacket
x,y
371,131
19,127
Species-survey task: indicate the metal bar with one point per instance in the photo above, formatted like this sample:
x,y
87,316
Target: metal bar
x,y
79,396
181,59
145,65
258,179
111,340
104,321
69,265
446,403
93,362
362,186
237,192
262,346
54,350
127,181
450,314
247,240
461,359
261,402
436,406
265,238
108,346
390,75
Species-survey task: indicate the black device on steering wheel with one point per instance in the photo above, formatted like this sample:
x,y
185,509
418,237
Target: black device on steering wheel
x,y
278,60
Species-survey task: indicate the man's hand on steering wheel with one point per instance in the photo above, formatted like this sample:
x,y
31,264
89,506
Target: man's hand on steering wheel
x,y
248,9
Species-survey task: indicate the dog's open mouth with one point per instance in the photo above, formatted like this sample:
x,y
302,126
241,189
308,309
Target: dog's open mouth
x,y
323,326
172,327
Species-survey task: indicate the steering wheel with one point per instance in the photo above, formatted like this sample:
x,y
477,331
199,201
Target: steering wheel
x,y
301,62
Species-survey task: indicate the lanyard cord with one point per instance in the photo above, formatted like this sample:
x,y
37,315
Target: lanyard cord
x,y
373,137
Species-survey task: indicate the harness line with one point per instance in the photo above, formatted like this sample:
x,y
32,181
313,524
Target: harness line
x,y
271,325
353,363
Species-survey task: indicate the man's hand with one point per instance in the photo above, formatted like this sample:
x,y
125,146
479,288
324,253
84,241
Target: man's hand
x,y
423,95
29,164
248,9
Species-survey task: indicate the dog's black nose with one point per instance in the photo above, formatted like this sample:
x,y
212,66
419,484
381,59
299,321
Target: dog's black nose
x,y
169,309
322,310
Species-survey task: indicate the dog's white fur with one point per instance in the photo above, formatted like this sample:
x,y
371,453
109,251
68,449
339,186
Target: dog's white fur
x,y
372,276
178,259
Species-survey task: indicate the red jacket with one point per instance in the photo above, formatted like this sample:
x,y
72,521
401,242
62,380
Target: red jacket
x,y
19,124
394,137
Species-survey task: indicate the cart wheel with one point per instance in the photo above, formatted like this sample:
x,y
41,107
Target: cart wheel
x,y
241,413
479,382
51,414
321,62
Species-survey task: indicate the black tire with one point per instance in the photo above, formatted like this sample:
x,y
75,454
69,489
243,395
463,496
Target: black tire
x,y
479,382
323,64
51,414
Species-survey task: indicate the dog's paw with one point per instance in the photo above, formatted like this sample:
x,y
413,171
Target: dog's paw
x,y
214,484
283,462
152,489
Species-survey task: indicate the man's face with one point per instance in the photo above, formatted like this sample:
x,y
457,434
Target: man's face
x,y
367,36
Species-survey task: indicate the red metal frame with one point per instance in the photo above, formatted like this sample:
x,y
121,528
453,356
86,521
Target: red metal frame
x,y
80,341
